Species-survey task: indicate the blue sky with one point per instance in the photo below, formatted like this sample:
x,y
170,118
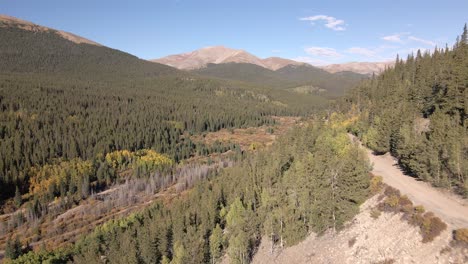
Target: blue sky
x,y
319,32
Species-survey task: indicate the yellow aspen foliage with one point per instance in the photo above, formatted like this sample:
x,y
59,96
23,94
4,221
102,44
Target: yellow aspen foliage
x,y
120,158
151,159
124,159
48,179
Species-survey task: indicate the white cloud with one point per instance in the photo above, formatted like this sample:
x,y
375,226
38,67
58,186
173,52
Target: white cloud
x,y
362,51
330,22
276,51
423,41
322,52
395,37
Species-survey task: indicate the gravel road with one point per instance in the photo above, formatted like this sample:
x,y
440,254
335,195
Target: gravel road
x,y
449,207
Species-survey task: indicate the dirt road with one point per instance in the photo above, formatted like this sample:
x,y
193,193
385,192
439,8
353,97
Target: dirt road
x,y
450,208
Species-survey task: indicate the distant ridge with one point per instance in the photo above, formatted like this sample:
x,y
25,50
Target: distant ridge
x,y
27,47
359,67
201,58
9,21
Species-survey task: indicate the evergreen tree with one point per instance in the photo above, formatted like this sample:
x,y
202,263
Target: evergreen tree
x,y
18,199
216,243
13,249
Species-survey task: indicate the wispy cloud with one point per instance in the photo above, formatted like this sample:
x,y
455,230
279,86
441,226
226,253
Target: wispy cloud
x,y
423,41
330,22
276,51
397,38
323,52
406,37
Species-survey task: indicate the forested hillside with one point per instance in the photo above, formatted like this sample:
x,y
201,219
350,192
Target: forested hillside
x,y
61,101
418,112
313,179
87,128
289,76
48,52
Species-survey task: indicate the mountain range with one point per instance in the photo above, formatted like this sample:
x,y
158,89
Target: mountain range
x,y
201,58
219,54
65,52
239,65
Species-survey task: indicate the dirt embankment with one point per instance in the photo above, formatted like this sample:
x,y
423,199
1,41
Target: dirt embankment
x,y
387,239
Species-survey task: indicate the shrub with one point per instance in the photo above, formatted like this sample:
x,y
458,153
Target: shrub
x,y
406,207
375,213
405,201
461,235
419,209
392,191
376,184
416,219
392,201
407,211
432,227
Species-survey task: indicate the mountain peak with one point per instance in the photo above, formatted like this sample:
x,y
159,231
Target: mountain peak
x,y
9,21
212,54
218,47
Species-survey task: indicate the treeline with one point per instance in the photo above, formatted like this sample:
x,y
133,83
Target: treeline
x,y
418,112
312,180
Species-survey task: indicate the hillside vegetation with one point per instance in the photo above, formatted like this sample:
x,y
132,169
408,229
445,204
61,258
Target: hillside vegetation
x,y
313,179
86,129
418,112
289,76
48,52
61,101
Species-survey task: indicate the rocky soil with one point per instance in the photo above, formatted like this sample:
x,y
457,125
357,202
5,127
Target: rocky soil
x,y
387,239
